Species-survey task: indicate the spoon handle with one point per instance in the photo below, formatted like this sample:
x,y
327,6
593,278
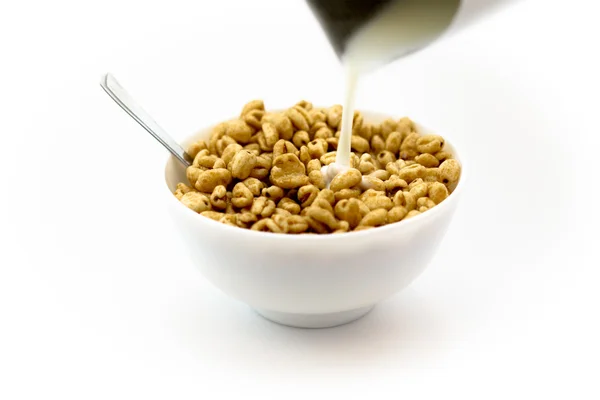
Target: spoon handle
x,y
126,102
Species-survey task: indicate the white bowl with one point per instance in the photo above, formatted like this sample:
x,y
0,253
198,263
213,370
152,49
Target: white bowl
x,y
311,281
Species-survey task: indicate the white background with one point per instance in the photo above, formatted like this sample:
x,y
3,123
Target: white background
x,y
98,299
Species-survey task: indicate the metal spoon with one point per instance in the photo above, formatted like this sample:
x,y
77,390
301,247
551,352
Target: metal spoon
x,y
126,102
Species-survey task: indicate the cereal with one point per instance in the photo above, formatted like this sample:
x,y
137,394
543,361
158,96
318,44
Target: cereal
x,y
284,147
438,192
377,144
334,116
196,201
218,198
316,178
349,210
307,195
297,224
301,138
289,205
299,117
346,179
408,149
430,144
263,207
305,155
239,131
393,184
262,171
254,118
242,196
214,215
427,160
242,164
209,180
346,194
270,136
393,141
411,172
375,218
274,193
359,144
396,214
419,190
196,147
313,165
254,185
229,152
449,171
253,105
288,172
317,148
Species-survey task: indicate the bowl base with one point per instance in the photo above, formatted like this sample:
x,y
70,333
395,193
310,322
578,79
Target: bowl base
x,y
315,320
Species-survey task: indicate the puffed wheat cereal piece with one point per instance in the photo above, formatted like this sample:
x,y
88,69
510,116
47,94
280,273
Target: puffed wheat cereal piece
x,y
346,179
284,147
376,217
214,215
239,131
209,180
377,144
392,143
420,190
297,224
359,144
241,164
230,151
307,195
262,207
380,174
394,184
289,205
242,196
251,106
288,172
425,202
262,168
254,185
317,148
449,172
438,192
411,172
412,213
408,148
430,144
299,117
305,155
349,210
313,165
347,194
218,198
266,225
316,178
396,214
196,147
427,160
380,201
274,193
384,157
334,116
254,118
195,201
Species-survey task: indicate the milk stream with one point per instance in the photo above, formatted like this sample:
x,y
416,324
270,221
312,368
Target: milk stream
x,y
396,30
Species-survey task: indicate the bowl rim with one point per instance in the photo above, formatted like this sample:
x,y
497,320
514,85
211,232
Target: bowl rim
x,y
380,230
